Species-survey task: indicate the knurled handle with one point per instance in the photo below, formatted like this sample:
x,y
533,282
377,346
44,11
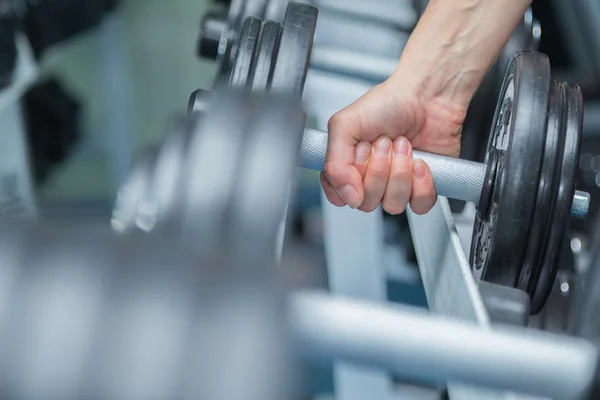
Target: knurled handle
x,y
452,177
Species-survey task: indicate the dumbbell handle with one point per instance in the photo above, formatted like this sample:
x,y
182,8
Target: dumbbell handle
x,y
452,177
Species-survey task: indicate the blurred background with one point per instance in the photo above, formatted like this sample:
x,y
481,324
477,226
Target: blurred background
x,y
102,81
85,85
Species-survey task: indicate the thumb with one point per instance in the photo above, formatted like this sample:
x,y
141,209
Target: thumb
x,y
339,169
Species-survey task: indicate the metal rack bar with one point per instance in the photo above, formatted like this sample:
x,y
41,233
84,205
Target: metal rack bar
x,y
435,349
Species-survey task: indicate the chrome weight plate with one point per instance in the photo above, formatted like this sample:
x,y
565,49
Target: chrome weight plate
x,y
235,194
501,231
265,173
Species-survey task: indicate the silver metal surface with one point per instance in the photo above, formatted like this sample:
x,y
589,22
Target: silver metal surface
x,y
354,244
416,345
454,178
449,285
84,314
581,204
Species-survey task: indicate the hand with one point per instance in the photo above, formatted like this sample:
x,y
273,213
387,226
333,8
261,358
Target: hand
x,y
369,154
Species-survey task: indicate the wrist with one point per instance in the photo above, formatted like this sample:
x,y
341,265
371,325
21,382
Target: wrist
x,y
454,45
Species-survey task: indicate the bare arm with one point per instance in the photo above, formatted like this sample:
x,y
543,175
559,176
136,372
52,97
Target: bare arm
x,y
422,105
454,45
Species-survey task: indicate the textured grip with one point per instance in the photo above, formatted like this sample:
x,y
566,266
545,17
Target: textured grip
x,y
453,177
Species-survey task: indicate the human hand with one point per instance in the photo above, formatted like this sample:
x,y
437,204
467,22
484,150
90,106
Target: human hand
x,y
369,153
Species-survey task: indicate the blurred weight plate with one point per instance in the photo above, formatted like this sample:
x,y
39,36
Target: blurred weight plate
x,y
260,198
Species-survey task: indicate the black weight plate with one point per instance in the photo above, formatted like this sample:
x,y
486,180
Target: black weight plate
x,y
519,132
238,12
569,158
265,59
243,64
546,194
295,47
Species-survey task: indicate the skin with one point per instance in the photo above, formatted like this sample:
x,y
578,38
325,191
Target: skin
x,y
422,105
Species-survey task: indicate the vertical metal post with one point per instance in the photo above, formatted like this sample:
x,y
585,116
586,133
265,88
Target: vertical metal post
x,y
353,242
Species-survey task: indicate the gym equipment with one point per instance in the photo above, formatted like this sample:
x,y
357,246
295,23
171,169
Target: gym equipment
x,y
174,189
218,38
535,172
525,192
86,314
273,56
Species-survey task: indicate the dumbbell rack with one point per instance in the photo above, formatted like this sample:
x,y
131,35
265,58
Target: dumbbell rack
x,y
354,251
16,185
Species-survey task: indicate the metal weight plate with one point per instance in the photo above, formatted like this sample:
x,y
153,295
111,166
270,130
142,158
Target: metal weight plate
x,y
245,57
230,35
501,233
266,170
132,195
295,47
546,194
239,10
148,199
210,169
565,178
266,56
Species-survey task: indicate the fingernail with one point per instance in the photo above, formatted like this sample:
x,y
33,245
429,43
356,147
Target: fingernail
x,y
362,153
350,196
383,145
402,146
419,169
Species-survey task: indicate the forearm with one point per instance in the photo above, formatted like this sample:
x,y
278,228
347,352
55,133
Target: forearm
x,y
454,45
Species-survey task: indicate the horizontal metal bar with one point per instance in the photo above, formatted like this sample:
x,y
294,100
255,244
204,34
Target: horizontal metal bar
x,y
428,348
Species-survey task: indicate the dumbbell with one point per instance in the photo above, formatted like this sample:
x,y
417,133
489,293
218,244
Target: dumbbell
x,y
525,191
272,56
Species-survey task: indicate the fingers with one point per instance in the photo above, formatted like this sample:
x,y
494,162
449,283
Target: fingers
x,y
332,195
376,176
339,171
400,183
362,154
423,196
